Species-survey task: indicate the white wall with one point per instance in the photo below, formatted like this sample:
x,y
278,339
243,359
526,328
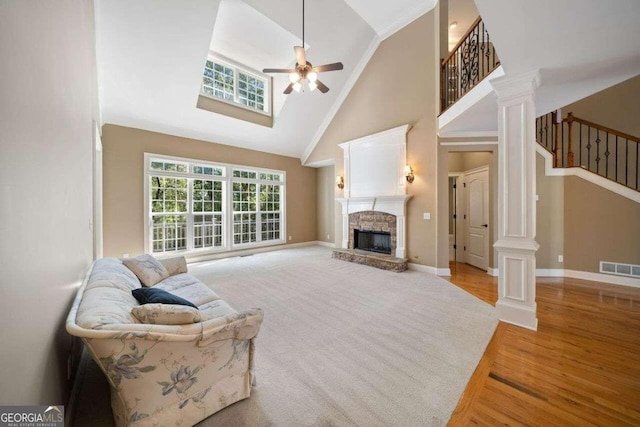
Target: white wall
x,y
47,99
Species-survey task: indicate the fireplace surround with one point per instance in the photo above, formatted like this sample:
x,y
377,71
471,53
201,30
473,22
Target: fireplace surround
x,y
375,197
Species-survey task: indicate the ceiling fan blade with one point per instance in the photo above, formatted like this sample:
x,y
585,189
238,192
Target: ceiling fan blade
x,y
301,56
278,70
288,90
329,67
322,87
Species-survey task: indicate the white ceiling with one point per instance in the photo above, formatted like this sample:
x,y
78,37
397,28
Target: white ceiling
x,y
387,17
151,55
580,47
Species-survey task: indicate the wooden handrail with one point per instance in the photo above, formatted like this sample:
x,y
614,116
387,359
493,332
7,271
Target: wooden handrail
x,y
462,39
608,153
600,127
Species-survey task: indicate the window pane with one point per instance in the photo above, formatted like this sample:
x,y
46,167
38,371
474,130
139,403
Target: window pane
x,y
239,173
169,233
207,231
270,223
168,194
244,228
249,91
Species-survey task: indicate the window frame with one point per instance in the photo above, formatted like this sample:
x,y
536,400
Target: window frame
x,y
239,68
227,179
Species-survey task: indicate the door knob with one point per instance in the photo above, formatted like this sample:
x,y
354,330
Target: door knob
x,y
485,225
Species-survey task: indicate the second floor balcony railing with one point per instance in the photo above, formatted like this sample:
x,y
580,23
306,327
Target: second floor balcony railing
x,y
469,62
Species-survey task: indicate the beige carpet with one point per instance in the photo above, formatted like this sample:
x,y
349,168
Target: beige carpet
x,y
341,344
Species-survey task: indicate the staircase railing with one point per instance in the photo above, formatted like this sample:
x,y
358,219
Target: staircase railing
x,y
469,62
575,142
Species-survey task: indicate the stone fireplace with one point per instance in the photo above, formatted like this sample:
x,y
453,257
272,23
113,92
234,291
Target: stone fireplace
x,y
371,226
374,202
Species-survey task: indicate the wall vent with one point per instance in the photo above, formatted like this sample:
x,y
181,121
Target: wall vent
x,y
620,269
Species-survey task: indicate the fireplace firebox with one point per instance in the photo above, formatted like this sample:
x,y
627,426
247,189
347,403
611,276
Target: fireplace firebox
x,y
372,241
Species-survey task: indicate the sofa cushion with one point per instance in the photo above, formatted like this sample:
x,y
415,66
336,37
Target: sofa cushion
x,y
218,308
168,314
155,295
105,306
111,273
198,293
148,269
175,265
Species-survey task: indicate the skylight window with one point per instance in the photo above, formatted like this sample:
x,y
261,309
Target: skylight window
x,y
235,84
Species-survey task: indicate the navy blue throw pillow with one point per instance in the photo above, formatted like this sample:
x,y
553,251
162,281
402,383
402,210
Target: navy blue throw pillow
x,y
155,296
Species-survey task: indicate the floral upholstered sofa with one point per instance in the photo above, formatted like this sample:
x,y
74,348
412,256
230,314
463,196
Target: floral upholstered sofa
x,y
163,375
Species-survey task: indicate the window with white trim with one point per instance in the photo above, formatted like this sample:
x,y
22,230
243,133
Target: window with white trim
x,y
235,84
200,206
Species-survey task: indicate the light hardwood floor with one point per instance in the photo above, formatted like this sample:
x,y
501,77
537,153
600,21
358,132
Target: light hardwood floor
x,y
581,368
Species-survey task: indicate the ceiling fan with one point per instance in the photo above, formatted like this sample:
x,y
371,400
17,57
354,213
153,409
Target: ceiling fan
x,y
304,70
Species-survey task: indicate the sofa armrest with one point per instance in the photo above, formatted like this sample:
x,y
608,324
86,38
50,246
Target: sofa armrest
x,y
239,326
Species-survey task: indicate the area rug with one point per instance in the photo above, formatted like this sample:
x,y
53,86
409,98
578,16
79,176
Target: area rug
x,y
344,344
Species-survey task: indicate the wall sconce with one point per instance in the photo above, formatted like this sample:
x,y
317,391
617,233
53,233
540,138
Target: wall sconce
x,y
340,181
408,174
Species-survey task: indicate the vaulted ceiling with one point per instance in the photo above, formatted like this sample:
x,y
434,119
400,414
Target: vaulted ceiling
x,y
151,54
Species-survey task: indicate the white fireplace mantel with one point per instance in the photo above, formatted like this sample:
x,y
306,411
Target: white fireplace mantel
x,y
374,180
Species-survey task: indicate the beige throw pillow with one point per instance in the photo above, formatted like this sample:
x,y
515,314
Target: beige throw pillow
x,y
175,265
147,268
168,314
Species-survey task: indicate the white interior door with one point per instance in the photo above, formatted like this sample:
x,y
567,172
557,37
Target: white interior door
x,y
477,218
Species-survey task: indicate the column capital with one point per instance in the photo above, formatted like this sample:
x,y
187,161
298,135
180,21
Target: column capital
x,y
508,88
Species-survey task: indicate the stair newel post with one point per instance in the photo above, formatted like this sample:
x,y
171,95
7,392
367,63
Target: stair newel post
x,y
569,120
557,153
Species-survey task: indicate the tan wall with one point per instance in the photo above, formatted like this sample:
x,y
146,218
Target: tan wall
x,y
549,217
123,157
616,107
599,226
384,98
464,161
326,194
46,142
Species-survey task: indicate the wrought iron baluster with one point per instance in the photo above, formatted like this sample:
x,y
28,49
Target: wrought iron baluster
x,y
637,147
598,151
588,147
564,157
626,163
616,158
606,156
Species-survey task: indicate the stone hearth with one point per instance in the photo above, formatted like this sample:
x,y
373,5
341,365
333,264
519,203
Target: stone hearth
x,y
384,262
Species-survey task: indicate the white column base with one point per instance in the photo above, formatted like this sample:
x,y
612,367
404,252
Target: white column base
x,y
517,282
518,315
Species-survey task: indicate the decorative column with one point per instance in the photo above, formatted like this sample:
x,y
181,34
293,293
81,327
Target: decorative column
x,y
516,245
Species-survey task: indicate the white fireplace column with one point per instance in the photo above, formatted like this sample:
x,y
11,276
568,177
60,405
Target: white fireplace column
x,y
516,245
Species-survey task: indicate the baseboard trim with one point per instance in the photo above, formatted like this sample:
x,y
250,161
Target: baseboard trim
x,y
605,278
492,272
326,244
583,275
550,272
428,269
253,251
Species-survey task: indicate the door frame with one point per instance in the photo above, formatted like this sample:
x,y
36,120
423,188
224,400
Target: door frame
x,y
456,209
465,208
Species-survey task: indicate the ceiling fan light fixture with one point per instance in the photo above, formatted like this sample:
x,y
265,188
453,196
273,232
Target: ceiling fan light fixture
x,y
312,76
297,86
312,85
294,77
